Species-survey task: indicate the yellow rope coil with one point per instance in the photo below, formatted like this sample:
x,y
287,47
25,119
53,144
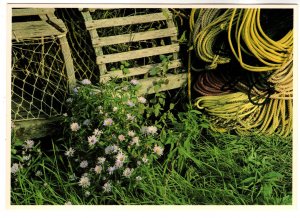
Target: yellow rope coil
x,y
248,31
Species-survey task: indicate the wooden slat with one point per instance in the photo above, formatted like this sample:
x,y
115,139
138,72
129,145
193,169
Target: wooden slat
x,y
130,55
69,62
122,21
173,81
171,24
135,71
37,128
134,37
31,11
35,29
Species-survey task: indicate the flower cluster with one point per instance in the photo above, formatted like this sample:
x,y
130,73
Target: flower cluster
x,y
110,138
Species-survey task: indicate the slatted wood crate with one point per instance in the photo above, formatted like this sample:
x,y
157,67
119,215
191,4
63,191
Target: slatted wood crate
x,y
171,80
42,70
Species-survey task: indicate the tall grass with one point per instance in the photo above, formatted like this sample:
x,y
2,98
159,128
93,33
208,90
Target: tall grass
x,y
199,169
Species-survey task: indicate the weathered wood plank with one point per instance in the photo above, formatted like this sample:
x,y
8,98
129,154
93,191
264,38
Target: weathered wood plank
x,y
134,37
94,35
36,128
135,71
171,24
35,29
173,81
122,21
31,11
130,55
69,62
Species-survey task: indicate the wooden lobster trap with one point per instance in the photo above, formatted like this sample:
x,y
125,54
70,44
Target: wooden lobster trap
x,y
42,70
136,43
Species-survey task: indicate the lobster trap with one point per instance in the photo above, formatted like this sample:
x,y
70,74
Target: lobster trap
x,y
101,44
136,43
42,70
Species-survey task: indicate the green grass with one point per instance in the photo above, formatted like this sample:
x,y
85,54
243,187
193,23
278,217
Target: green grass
x,y
218,169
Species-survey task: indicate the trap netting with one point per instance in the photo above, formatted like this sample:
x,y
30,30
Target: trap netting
x,y
39,79
80,44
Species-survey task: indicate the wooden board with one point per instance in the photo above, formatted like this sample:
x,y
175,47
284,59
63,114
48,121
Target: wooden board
x,y
174,81
30,129
123,21
130,55
134,37
31,11
136,71
36,29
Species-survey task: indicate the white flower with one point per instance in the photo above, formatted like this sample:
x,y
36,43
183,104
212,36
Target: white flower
x,y
74,127
109,149
26,158
144,129
38,173
68,203
108,122
15,168
130,117
130,103
145,159
75,90
86,122
98,169
118,164
115,148
101,160
135,140
127,172
142,100
125,88
70,152
115,109
84,182
134,82
131,133
86,82
84,164
65,114
120,157
92,140
151,130
107,187
28,144
138,163
158,150
121,137
69,100
87,193
111,170
97,132
138,178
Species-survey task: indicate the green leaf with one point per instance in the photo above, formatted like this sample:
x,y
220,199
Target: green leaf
x,y
154,71
273,176
182,38
172,106
162,57
248,180
156,88
267,190
125,70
